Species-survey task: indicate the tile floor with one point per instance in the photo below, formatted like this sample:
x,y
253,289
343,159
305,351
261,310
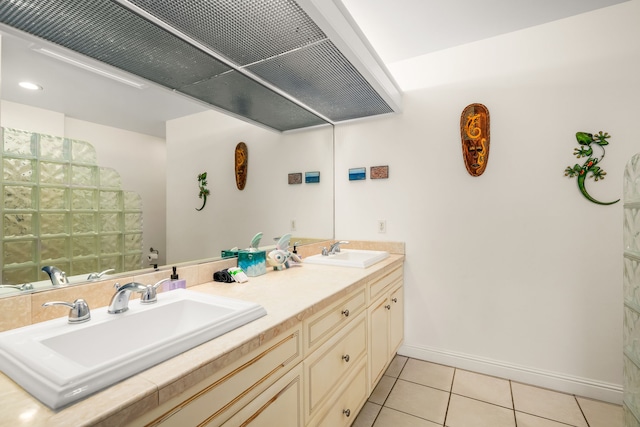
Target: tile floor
x,y
414,393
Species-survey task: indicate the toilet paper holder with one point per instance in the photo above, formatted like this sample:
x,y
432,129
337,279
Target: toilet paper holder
x,y
153,257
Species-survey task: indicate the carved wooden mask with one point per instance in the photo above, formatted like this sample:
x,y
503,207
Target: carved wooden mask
x,y
242,164
474,131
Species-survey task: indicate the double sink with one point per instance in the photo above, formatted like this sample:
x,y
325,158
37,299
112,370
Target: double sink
x,y
60,363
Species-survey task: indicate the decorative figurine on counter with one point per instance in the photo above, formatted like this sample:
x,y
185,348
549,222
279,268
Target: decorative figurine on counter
x,y
280,258
474,131
586,141
204,192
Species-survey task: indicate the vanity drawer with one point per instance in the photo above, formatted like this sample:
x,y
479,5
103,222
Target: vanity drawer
x,y
216,399
351,396
323,325
378,286
280,405
326,368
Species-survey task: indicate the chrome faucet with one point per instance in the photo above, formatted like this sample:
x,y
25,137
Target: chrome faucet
x,y
120,300
23,287
335,248
98,276
150,295
78,310
57,276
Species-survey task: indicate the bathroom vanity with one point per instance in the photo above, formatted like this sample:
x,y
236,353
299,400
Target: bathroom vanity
x,y
329,334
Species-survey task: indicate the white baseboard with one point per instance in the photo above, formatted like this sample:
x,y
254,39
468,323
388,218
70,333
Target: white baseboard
x,y
552,380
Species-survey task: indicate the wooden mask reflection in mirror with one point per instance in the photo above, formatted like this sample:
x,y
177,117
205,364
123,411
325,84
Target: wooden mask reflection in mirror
x,y
474,131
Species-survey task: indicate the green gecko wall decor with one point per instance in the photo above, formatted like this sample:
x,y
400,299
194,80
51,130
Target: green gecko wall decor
x,y
204,192
590,166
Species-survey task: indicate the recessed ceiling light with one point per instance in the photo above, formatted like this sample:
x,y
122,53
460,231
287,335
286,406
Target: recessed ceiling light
x,y
30,86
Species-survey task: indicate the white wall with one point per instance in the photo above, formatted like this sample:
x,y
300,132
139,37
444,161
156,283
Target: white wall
x,y
140,159
206,142
512,273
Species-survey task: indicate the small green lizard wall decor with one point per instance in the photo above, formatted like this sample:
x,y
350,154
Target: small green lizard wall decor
x,y
204,192
586,141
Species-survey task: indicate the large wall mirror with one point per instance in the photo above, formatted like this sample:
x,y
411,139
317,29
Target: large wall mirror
x,y
158,142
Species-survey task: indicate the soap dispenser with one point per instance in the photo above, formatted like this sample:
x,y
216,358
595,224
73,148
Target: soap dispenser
x,y
175,282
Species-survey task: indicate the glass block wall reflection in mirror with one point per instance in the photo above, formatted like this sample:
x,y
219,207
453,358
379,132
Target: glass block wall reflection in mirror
x,y
59,207
631,287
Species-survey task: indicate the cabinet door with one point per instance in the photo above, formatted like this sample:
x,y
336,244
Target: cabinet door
x,y
280,405
396,322
378,339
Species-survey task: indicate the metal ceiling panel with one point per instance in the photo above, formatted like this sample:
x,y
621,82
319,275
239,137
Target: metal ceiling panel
x,y
266,61
322,78
243,31
244,97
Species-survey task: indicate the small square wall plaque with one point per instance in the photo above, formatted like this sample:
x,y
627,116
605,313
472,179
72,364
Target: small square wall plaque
x,y
357,174
379,172
311,177
295,178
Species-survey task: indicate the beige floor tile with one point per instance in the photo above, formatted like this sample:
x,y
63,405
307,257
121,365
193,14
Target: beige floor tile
x,y
465,412
547,404
396,365
367,415
418,400
382,390
483,387
429,374
390,418
527,420
601,414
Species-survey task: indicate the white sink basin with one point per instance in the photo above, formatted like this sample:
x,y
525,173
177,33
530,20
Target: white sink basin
x,y
60,363
349,258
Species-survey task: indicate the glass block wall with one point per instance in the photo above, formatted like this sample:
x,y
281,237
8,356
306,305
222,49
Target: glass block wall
x,y
60,208
631,283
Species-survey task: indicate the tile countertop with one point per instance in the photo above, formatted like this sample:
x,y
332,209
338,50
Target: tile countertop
x,y
289,296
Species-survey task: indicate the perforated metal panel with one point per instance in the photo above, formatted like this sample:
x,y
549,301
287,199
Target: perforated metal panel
x,y
322,78
244,31
105,31
273,40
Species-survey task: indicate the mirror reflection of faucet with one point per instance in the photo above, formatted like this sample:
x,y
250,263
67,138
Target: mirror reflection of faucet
x,y
98,276
57,276
23,287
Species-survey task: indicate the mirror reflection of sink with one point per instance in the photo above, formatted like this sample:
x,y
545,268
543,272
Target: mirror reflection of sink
x,y
59,363
349,258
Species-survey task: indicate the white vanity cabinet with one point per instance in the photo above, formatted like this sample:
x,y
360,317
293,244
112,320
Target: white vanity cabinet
x,y
319,373
386,322
280,405
214,400
335,346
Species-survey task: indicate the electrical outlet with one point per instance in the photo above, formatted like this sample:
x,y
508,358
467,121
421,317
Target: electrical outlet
x,y
382,226
293,225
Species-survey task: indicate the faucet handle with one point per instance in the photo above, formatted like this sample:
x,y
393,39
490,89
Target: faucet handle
x,y
96,276
79,309
150,294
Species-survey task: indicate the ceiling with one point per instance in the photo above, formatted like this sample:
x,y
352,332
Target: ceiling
x,y
397,30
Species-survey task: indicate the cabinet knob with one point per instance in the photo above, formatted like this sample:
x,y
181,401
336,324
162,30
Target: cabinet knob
x,y
395,300
346,412
388,307
345,358
345,313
